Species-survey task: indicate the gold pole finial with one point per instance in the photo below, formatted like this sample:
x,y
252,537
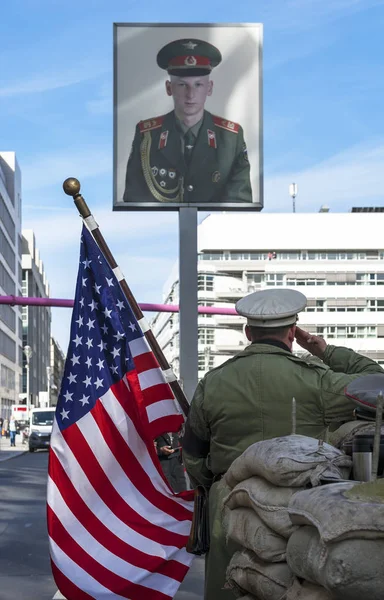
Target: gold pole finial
x,y
71,186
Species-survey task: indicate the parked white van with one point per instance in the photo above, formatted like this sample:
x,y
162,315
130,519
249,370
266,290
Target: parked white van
x,y
40,427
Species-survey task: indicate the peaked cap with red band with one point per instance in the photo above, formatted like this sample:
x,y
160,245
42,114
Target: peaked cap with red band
x,y
188,57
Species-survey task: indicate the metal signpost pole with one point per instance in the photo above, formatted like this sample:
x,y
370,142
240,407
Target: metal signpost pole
x,y
188,299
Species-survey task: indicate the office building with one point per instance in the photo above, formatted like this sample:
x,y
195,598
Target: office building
x,y
335,259
10,282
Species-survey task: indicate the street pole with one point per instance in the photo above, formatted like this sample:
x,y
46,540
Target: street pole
x,y
28,353
49,385
28,398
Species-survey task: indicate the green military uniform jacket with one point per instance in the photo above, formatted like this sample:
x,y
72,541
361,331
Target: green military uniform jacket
x,y
218,171
249,398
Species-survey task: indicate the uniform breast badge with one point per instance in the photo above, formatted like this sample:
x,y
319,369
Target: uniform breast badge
x,y
163,139
211,138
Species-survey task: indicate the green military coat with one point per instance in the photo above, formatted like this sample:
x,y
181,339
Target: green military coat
x,y
218,171
248,399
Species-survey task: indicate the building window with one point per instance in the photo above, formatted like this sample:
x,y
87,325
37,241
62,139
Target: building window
x,y
205,361
370,278
376,305
274,279
206,336
7,378
347,331
205,283
6,281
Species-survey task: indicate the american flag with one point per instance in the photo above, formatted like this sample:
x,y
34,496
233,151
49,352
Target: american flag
x,y
115,527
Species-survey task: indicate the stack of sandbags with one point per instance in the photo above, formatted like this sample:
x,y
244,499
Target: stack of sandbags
x,y
340,540
263,481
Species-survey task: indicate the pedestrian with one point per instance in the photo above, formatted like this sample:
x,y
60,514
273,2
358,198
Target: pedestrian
x,y
189,154
168,451
1,426
249,398
5,427
12,431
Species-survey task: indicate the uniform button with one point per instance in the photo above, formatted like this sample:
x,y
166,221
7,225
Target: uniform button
x,y
190,188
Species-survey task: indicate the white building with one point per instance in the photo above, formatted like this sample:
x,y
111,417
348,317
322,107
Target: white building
x,y
336,260
10,282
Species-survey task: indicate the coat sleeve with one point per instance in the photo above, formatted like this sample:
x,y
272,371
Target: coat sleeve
x,y
238,188
196,441
345,365
135,188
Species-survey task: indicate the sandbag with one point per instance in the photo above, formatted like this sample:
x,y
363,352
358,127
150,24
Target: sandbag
x,y
269,502
346,432
307,591
293,460
341,510
267,581
350,568
243,526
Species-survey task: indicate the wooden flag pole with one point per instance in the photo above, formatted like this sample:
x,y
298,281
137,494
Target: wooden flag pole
x,y
71,187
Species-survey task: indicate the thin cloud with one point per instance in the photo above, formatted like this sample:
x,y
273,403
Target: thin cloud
x,y
48,169
39,82
352,177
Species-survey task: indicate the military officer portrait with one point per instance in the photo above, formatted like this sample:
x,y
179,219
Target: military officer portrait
x,y
188,155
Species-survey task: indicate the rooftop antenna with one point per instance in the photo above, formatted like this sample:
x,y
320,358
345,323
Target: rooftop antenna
x,y
293,194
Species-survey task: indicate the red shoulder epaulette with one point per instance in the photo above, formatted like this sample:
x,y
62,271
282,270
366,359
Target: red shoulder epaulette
x,y
150,124
225,124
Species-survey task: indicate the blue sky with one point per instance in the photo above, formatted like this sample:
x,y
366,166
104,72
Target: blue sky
x,y
323,119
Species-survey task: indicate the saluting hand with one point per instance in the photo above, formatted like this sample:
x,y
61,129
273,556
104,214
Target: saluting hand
x,y
313,343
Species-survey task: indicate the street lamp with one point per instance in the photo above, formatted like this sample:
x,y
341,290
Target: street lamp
x,y
28,353
293,194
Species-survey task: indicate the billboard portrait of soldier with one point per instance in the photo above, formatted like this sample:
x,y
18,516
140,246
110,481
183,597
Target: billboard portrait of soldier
x,y
187,154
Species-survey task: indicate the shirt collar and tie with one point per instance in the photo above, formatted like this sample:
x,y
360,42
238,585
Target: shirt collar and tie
x,y
188,137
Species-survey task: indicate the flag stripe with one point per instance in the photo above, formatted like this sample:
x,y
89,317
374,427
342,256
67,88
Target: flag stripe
x,y
79,576
146,457
108,579
99,531
67,587
151,377
138,346
100,553
121,481
134,471
157,393
111,497
163,408
146,361
103,512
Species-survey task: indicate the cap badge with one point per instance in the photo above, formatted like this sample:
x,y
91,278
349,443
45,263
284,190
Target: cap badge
x,y
155,171
190,61
189,45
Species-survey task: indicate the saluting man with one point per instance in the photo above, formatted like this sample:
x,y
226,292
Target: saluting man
x,y
188,155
